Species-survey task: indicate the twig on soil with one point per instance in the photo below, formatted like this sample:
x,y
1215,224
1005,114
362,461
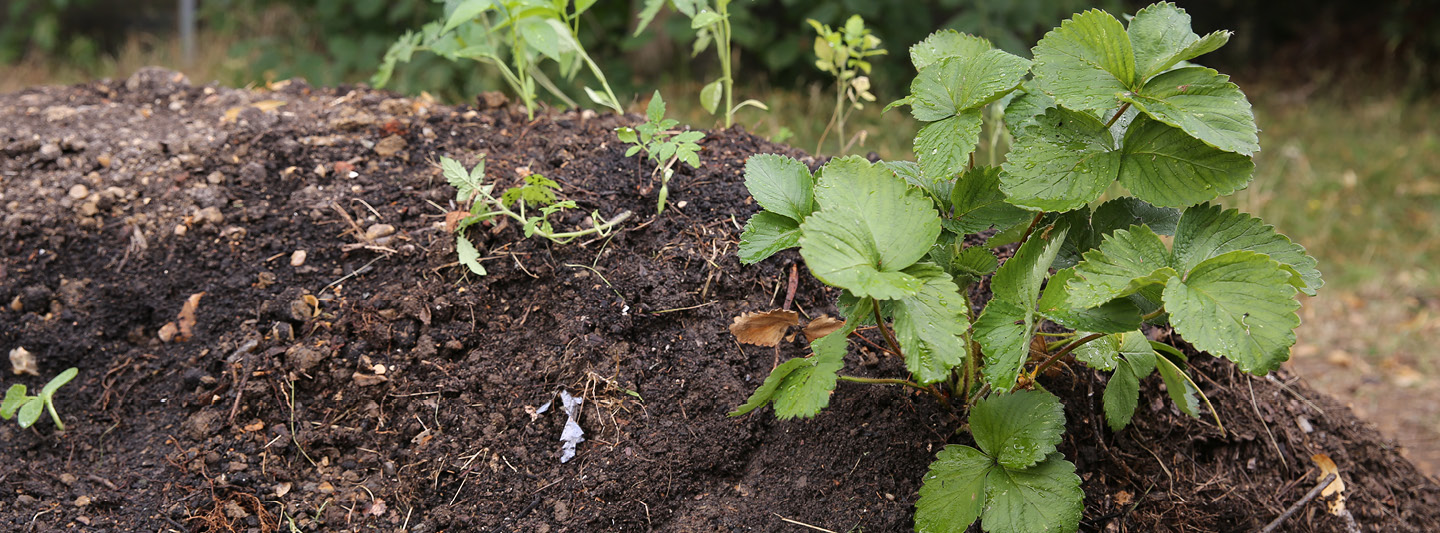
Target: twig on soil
x,y
1324,482
802,524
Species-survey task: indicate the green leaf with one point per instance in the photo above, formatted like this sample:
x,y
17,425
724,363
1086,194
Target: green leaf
x,y
1122,395
1024,109
806,390
549,36
1086,63
30,412
953,492
464,12
58,381
14,397
946,43
1018,429
1178,386
870,227
1204,104
943,147
930,325
781,185
710,96
704,18
1042,499
1206,231
538,191
1100,354
1127,211
1125,262
1005,327
978,204
1066,161
1114,316
963,83
767,389
469,256
1161,37
655,110
765,234
971,264
1238,305
1169,168
647,14
627,135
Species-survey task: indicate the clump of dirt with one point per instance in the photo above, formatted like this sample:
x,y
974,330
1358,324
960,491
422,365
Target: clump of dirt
x,y
342,372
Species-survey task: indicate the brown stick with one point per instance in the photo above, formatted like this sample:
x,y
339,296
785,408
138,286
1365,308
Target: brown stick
x,y
1296,507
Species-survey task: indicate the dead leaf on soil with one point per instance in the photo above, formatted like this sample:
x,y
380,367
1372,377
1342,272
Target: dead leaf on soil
x,y
376,507
822,325
1337,487
23,362
366,380
187,317
763,328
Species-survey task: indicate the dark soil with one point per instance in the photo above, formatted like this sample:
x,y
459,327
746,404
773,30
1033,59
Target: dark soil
x,y
122,199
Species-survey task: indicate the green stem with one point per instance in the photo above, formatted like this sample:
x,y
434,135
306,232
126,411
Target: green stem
x,y
723,45
1122,111
1152,314
969,373
885,331
895,381
50,406
1066,351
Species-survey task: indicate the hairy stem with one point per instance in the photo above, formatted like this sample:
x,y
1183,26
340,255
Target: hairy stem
x,y
880,323
1122,111
1031,229
968,378
1066,351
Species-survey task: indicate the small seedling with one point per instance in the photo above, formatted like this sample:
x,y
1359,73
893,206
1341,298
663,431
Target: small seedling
x,y
662,145
711,24
520,203
1101,102
28,407
845,55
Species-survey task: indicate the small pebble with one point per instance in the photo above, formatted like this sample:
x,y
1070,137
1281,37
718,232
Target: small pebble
x,y
297,258
180,230
79,191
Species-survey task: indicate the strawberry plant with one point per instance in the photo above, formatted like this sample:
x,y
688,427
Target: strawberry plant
x,y
1101,102
711,25
514,37
28,408
845,55
530,204
661,145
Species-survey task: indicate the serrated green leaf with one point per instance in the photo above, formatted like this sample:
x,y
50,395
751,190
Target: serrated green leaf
x,y
1080,239
1044,498
1238,305
930,325
806,390
1166,167
655,110
781,185
469,256
1125,262
647,14
943,147
1008,321
953,492
1100,354
1018,429
1206,231
1204,104
978,204
1126,211
1181,391
765,234
704,18
1136,349
458,178
1161,37
1086,63
14,397
946,43
973,263
938,190
870,227
1023,110
1066,161
1115,316
963,83
1122,395
710,96
30,412
766,391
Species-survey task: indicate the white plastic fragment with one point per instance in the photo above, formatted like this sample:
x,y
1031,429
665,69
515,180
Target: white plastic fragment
x,y
572,435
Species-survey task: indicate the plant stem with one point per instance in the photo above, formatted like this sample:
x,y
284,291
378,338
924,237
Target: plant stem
x,y
880,322
1152,314
1063,352
1122,111
50,406
896,381
722,44
1030,229
968,378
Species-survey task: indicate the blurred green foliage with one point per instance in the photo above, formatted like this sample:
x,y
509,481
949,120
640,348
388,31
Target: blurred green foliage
x,y
27,25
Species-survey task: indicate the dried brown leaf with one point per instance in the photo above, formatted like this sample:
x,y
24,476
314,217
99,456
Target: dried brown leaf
x,y
822,325
187,317
1337,487
763,328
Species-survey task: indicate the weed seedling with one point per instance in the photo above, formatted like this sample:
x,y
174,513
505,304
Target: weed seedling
x,y
845,55
1101,102
711,25
530,204
662,145
28,407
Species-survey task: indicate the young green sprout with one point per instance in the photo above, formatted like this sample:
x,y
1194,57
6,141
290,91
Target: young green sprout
x,y
845,55
662,145
28,407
